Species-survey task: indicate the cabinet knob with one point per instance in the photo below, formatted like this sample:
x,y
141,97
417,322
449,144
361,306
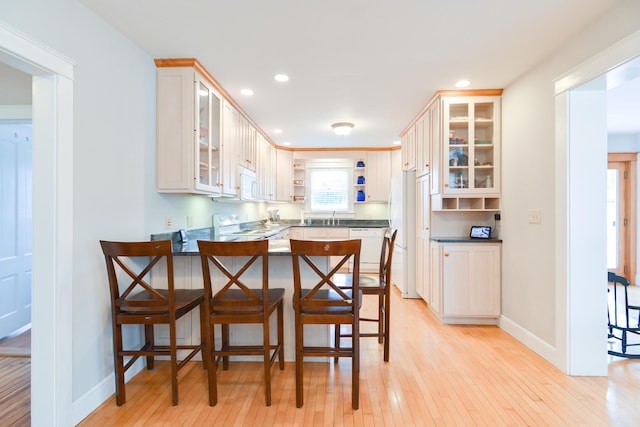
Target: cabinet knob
x,y
426,165
446,254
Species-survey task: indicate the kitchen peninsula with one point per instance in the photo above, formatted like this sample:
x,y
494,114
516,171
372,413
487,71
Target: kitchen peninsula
x,y
188,275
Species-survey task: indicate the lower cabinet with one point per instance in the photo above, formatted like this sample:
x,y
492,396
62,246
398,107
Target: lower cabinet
x,y
466,282
316,233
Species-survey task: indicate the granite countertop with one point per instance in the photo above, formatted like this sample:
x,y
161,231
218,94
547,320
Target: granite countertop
x,y
255,231
463,240
350,223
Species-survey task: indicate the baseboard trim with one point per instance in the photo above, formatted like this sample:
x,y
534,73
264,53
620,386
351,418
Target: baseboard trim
x,y
89,402
535,343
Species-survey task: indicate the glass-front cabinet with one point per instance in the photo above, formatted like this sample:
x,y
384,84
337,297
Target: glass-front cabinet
x,y
208,136
471,162
189,129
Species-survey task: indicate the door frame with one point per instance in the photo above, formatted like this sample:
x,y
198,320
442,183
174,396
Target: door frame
x,y
630,204
580,308
51,360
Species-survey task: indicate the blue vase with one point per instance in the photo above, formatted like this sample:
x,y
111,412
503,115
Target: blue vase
x,y
360,197
361,180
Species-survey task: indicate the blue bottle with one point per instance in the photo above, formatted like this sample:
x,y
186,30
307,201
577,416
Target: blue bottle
x,y
360,197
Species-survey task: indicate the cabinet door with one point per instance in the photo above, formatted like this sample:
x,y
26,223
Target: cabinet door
x,y
284,176
378,176
435,141
296,233
471,280
229,183
472,145
422,145
409,149
436,282
208,135
188,133
423,216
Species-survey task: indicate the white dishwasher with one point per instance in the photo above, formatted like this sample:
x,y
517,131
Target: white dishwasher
x,y
370,249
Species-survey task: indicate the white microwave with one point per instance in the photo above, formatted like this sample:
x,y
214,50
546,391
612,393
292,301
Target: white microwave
x,y
248,184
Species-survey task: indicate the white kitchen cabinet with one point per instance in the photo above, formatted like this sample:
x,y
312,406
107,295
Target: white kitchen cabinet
x,y
370,249
284,175
423,233
378,176
409,148
266,169
247,144
188,132
331,233
467,281
434,140
230,138
296,233
471,141
422,145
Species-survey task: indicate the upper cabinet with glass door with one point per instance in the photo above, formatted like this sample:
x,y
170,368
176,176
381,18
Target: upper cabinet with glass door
x,y
208,134
471,155
188,131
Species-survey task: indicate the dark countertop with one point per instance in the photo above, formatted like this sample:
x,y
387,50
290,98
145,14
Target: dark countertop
x,y
255,231
463,240
350,223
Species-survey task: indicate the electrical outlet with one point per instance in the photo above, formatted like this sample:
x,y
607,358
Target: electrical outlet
x,y
167,222
189,221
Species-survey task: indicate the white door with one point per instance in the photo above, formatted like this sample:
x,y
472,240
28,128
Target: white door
x,y
15,227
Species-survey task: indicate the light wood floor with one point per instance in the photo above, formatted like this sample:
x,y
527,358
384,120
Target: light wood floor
x,y
15,375
438,375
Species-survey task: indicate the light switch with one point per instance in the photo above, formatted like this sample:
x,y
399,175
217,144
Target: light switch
x,y
534,216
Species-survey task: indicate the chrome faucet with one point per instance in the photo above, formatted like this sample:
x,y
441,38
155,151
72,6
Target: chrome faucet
x,y
333,218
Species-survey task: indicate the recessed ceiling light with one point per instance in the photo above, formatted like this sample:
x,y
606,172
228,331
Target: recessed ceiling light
x,y
286,143
463,83
277,131
396,142
246,92
281,78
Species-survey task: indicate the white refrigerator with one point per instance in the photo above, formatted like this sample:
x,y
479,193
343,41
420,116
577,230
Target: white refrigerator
x,y
402,215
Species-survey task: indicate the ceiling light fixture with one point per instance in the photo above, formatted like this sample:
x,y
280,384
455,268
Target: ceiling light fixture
x,y
277,131
396,142
342,128
287,143
463,83
246,92
281,78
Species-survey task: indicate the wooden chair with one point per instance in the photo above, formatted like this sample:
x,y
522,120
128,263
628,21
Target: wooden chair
x,y
139,303
326,303
236,303
379,286
623,318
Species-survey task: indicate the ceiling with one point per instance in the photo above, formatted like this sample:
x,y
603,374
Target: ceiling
x,y
374,63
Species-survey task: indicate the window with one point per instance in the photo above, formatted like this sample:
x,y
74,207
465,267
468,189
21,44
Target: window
x,y
329,189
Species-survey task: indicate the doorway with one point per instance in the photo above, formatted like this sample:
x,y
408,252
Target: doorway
x,y
52,85
621,214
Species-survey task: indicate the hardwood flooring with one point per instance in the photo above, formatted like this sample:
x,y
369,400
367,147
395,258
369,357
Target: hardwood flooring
x,y
440,375
15,399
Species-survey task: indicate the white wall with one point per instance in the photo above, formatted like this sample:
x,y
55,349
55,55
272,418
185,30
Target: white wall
x,y
114,168
529,153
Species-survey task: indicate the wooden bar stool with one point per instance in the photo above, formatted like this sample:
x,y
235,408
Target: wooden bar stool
x,y
236,303
142,304
325,303
379,286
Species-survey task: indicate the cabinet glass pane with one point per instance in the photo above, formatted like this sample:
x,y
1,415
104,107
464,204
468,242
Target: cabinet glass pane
x,y
214,139
204,133
458,145
483,145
